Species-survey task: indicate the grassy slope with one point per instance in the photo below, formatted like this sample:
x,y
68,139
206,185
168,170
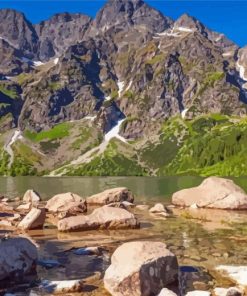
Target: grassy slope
x,y
113,162
207,145
213,145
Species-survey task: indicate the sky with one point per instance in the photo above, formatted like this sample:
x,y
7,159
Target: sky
x,y
225,16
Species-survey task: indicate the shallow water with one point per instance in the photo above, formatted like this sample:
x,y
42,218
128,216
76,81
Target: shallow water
x,y
200,238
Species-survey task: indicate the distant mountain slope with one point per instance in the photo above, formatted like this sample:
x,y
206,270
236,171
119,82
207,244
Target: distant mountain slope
x,y
131,70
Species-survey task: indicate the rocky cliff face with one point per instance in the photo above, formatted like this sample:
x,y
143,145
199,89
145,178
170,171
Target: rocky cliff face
x,y
129,62
60,32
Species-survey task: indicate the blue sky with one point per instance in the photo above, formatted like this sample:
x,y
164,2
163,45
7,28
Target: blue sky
x,y
228,17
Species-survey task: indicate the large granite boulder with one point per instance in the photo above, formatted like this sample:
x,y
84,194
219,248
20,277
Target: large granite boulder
x,y
214,192
111,196
35,219
31,196
141,269
101,218
18,258
66,202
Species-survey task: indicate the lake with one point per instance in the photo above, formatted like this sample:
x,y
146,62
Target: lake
x,y
200,238
145,188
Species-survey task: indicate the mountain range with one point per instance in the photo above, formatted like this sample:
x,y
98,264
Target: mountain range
x,y
130,92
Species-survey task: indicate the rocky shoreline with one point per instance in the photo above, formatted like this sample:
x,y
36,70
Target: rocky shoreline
x,y
137,262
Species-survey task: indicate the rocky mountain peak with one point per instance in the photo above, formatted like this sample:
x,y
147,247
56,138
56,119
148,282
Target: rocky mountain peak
x,y
17,31
188,22
125,13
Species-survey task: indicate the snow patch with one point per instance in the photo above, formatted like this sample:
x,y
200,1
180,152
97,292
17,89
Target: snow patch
x,y
56,60
114,132
30,62
16,136
120,85
171,34
108,98
184,29
241,71
88,156
9,42
38,63
227,54
219,38
129,85
183,113
90,118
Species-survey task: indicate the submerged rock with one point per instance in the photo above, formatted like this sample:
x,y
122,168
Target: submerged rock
x,y
33,220
101,218
214,192
124,205
166,292
48,263
160,210
31,196
61,287
66,203
227,292
88,251
18,258
109,196
236,273
198,293
141,269
142,207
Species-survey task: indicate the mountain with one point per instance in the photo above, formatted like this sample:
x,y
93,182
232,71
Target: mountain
x,y
129,92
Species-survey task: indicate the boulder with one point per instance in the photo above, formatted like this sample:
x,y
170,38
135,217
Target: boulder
x,y
35,219
111,196
68,203
18,258
101,218
141,269
24,208
214,192
31,196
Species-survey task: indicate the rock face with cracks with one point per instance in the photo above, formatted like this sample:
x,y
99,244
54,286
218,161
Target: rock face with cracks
x,y
141,269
